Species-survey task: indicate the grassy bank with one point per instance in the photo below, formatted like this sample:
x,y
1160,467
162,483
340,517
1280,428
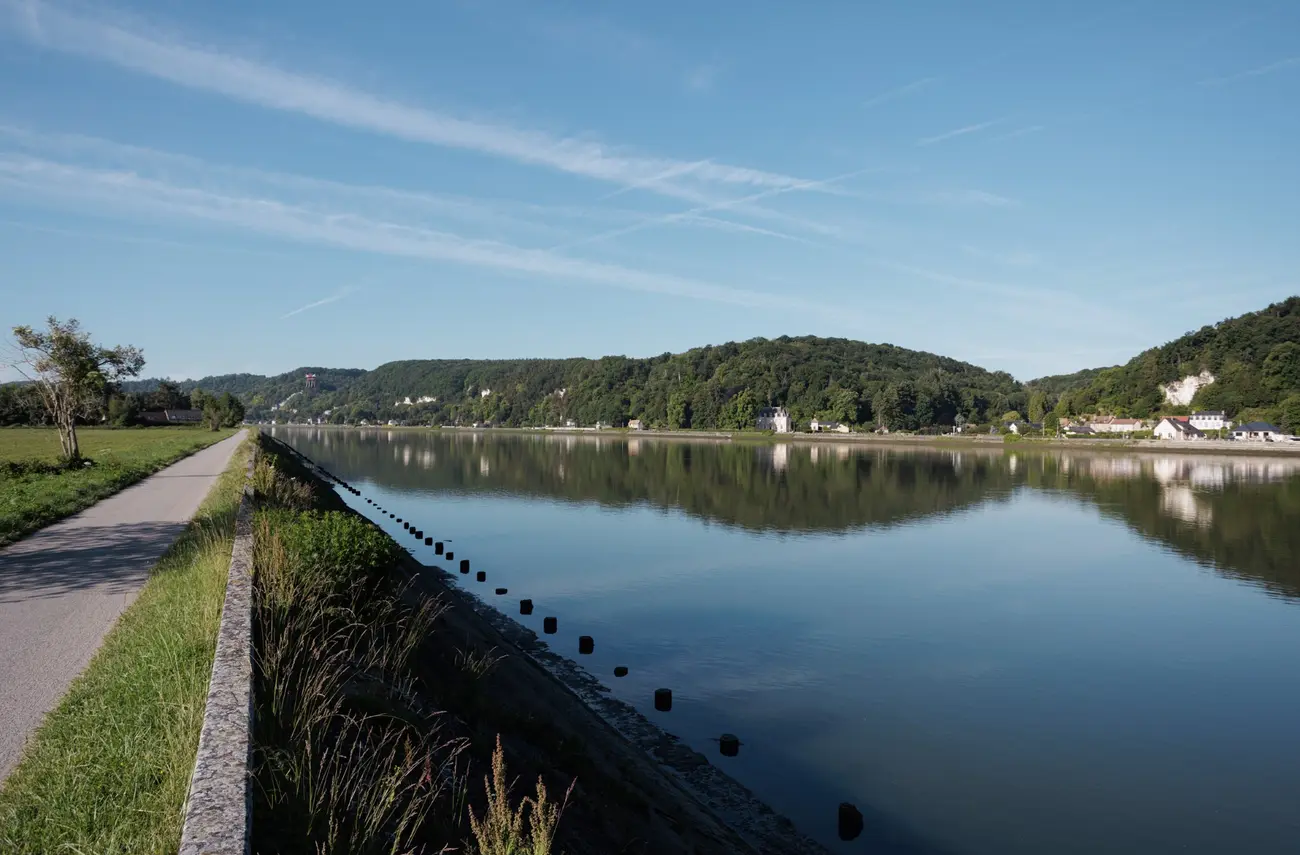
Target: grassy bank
x,y
35,491
354,753
109,769
394,718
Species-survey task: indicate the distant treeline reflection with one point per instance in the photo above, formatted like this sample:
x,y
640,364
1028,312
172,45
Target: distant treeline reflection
x,y
1232,513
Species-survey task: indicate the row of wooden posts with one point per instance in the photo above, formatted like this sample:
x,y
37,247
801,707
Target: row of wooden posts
x,y
849,819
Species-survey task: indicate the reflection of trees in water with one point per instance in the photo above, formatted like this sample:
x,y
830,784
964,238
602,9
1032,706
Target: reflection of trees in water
x,y
761,487
1233,513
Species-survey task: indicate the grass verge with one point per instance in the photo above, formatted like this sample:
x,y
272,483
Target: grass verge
x,y
356,751
35,491
109,769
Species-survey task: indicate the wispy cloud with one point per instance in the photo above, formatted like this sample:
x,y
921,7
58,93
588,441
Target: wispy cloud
x,y
126,193
971,196
1013,258
958,132
1272,67
248,80
650,222
702,78
1019,132
901,91
741,228
333,298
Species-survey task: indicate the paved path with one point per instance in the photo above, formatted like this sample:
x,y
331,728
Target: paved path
x,y
62,588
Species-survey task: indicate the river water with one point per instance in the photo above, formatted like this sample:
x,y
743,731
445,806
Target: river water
x,y
987,651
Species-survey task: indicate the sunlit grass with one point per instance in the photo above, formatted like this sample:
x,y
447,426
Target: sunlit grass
x,y
109,770
34,492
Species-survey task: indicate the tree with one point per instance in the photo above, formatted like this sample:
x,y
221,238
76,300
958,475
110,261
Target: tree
x,y
1289,414
1051,423
72,374
1037,406
1011,416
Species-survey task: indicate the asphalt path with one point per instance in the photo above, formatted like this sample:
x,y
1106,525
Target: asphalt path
x,y
63,587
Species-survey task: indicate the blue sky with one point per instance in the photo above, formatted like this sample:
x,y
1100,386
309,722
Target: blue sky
x,y
1031,186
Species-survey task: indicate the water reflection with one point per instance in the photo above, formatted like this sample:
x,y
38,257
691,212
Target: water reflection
x,y
1232,513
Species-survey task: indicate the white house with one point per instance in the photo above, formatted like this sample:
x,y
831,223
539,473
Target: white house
x,y
775,419
817,426
635,424
1024,427
1110,424
483,393
1169,428
1256,432
1209,420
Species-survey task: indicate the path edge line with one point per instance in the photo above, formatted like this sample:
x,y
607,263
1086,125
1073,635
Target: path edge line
x,y
218,809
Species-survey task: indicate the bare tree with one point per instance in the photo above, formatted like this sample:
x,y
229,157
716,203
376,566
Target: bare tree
x,y
72,374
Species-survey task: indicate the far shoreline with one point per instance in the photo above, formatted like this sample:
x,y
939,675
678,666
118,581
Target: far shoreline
x,y
981,442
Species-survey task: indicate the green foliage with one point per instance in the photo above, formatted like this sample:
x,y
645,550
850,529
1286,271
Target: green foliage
x,y
1288,414
73,376
1255,359
1012,416
702,388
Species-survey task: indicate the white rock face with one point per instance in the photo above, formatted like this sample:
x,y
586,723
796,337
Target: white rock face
x,y
1180,392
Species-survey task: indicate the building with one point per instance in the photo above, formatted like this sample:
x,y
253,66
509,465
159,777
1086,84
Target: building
x,y
1024,427
1256,432
635,424
776,419
1078,430
817,426
1177,428
1111,424
1209,420
171,417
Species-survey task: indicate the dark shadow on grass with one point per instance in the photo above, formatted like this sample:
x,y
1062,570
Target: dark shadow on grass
x,y
59,561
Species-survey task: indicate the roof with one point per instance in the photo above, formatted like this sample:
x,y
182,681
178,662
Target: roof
x,y
767,412
1208,413
1183,427
1126,421
1257,427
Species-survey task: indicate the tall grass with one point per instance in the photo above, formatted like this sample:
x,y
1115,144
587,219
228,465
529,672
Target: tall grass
x,y
109,770
347,758
528,829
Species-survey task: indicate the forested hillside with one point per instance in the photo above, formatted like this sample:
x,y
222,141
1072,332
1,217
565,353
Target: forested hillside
x,y
1255,360
709,387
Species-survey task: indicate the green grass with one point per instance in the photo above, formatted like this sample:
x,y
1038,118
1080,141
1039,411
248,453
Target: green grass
x,y
109,769
34,493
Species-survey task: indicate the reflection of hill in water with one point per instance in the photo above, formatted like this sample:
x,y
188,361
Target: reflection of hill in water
x,y
1235,514
760,487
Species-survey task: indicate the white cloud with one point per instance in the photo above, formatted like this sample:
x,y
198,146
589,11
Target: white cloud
x,y
959,132
324,301
124,192
900,91
252,81
1272,67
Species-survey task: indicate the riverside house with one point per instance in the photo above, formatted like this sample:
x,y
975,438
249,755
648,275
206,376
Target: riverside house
x,y
817,426
1209,420
1256,432
1177,427
1111,424
775,419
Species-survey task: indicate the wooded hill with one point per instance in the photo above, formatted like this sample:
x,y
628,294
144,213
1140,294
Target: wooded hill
x,y
708,387
1255,360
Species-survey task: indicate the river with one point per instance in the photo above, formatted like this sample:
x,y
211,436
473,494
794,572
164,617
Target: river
x,y
989,652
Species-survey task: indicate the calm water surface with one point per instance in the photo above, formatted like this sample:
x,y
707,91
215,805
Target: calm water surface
x,y
988,652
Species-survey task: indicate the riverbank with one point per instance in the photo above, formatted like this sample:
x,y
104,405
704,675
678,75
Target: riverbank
x,y
636,789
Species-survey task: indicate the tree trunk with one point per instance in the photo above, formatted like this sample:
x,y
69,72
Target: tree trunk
x,y
68,439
